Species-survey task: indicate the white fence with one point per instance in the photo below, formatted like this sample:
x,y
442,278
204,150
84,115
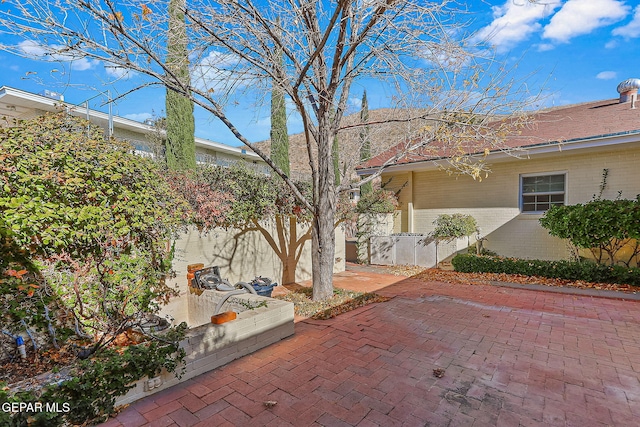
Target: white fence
x,y
409,250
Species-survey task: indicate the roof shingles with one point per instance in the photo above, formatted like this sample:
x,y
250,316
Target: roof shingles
x,y
555,125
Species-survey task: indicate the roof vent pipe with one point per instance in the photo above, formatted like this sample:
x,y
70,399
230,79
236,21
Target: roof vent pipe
x,y
628,89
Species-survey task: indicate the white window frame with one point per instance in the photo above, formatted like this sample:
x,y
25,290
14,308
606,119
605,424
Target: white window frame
x,y
530,175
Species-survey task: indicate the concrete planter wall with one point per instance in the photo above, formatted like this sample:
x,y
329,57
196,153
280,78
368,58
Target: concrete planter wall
x,y
209,346
409,250
241,256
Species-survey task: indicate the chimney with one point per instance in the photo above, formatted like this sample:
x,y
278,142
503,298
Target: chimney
x,y
628,90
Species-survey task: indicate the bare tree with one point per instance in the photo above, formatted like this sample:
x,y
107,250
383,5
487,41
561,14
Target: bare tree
x,y
420,50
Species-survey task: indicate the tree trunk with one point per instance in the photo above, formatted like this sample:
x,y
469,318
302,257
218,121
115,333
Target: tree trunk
x,y
323,247
289,250
323,233
289,270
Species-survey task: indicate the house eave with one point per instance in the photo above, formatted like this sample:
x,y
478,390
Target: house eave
x,y
236,151
18,98
518,153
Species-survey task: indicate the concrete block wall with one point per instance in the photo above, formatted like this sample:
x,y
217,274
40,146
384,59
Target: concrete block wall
x,y
210,346
241,256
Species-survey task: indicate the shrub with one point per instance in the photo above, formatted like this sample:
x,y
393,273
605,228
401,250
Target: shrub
x,y
89,396
378,201
365,216
95,218
450,227
209,206
569,270
85,231
237,196
604,227
23,291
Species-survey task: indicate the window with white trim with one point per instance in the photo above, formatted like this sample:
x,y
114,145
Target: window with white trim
x,y
539,192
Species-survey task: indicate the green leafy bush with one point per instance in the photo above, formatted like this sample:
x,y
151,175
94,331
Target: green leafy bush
x,y
93,217
454,226
85,232
569,270
609,229
377,201
23,291
237,196
89,396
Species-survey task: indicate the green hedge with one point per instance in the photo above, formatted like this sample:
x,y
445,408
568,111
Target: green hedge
x,y
570,270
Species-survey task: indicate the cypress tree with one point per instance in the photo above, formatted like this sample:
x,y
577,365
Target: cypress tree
x,y
180,146
365,143
279,134
335,151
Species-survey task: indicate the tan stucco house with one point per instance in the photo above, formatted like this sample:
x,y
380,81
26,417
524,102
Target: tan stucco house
x,y
566,153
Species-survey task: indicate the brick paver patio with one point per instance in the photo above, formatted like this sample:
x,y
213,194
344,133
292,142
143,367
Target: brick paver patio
x,y
511,357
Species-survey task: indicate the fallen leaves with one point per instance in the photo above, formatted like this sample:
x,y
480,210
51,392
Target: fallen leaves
x,y
15,273
404,270
18,370
438,373
342,301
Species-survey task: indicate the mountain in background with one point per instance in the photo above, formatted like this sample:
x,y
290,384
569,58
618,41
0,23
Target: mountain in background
x,y
388,128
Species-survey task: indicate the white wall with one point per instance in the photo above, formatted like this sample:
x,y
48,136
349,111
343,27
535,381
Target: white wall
x,y
241,256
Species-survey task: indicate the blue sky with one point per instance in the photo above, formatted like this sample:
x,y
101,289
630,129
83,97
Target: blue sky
x,y
579,49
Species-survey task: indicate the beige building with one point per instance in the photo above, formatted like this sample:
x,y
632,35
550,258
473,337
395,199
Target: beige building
x,y
19,104
567,151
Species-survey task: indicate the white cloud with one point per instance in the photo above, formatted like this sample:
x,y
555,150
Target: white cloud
x,y
118,72
579,17
543,47
33,49
355,102
220,73
612,44
514,22
606,75
82,64
632,29
448,56
139,117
